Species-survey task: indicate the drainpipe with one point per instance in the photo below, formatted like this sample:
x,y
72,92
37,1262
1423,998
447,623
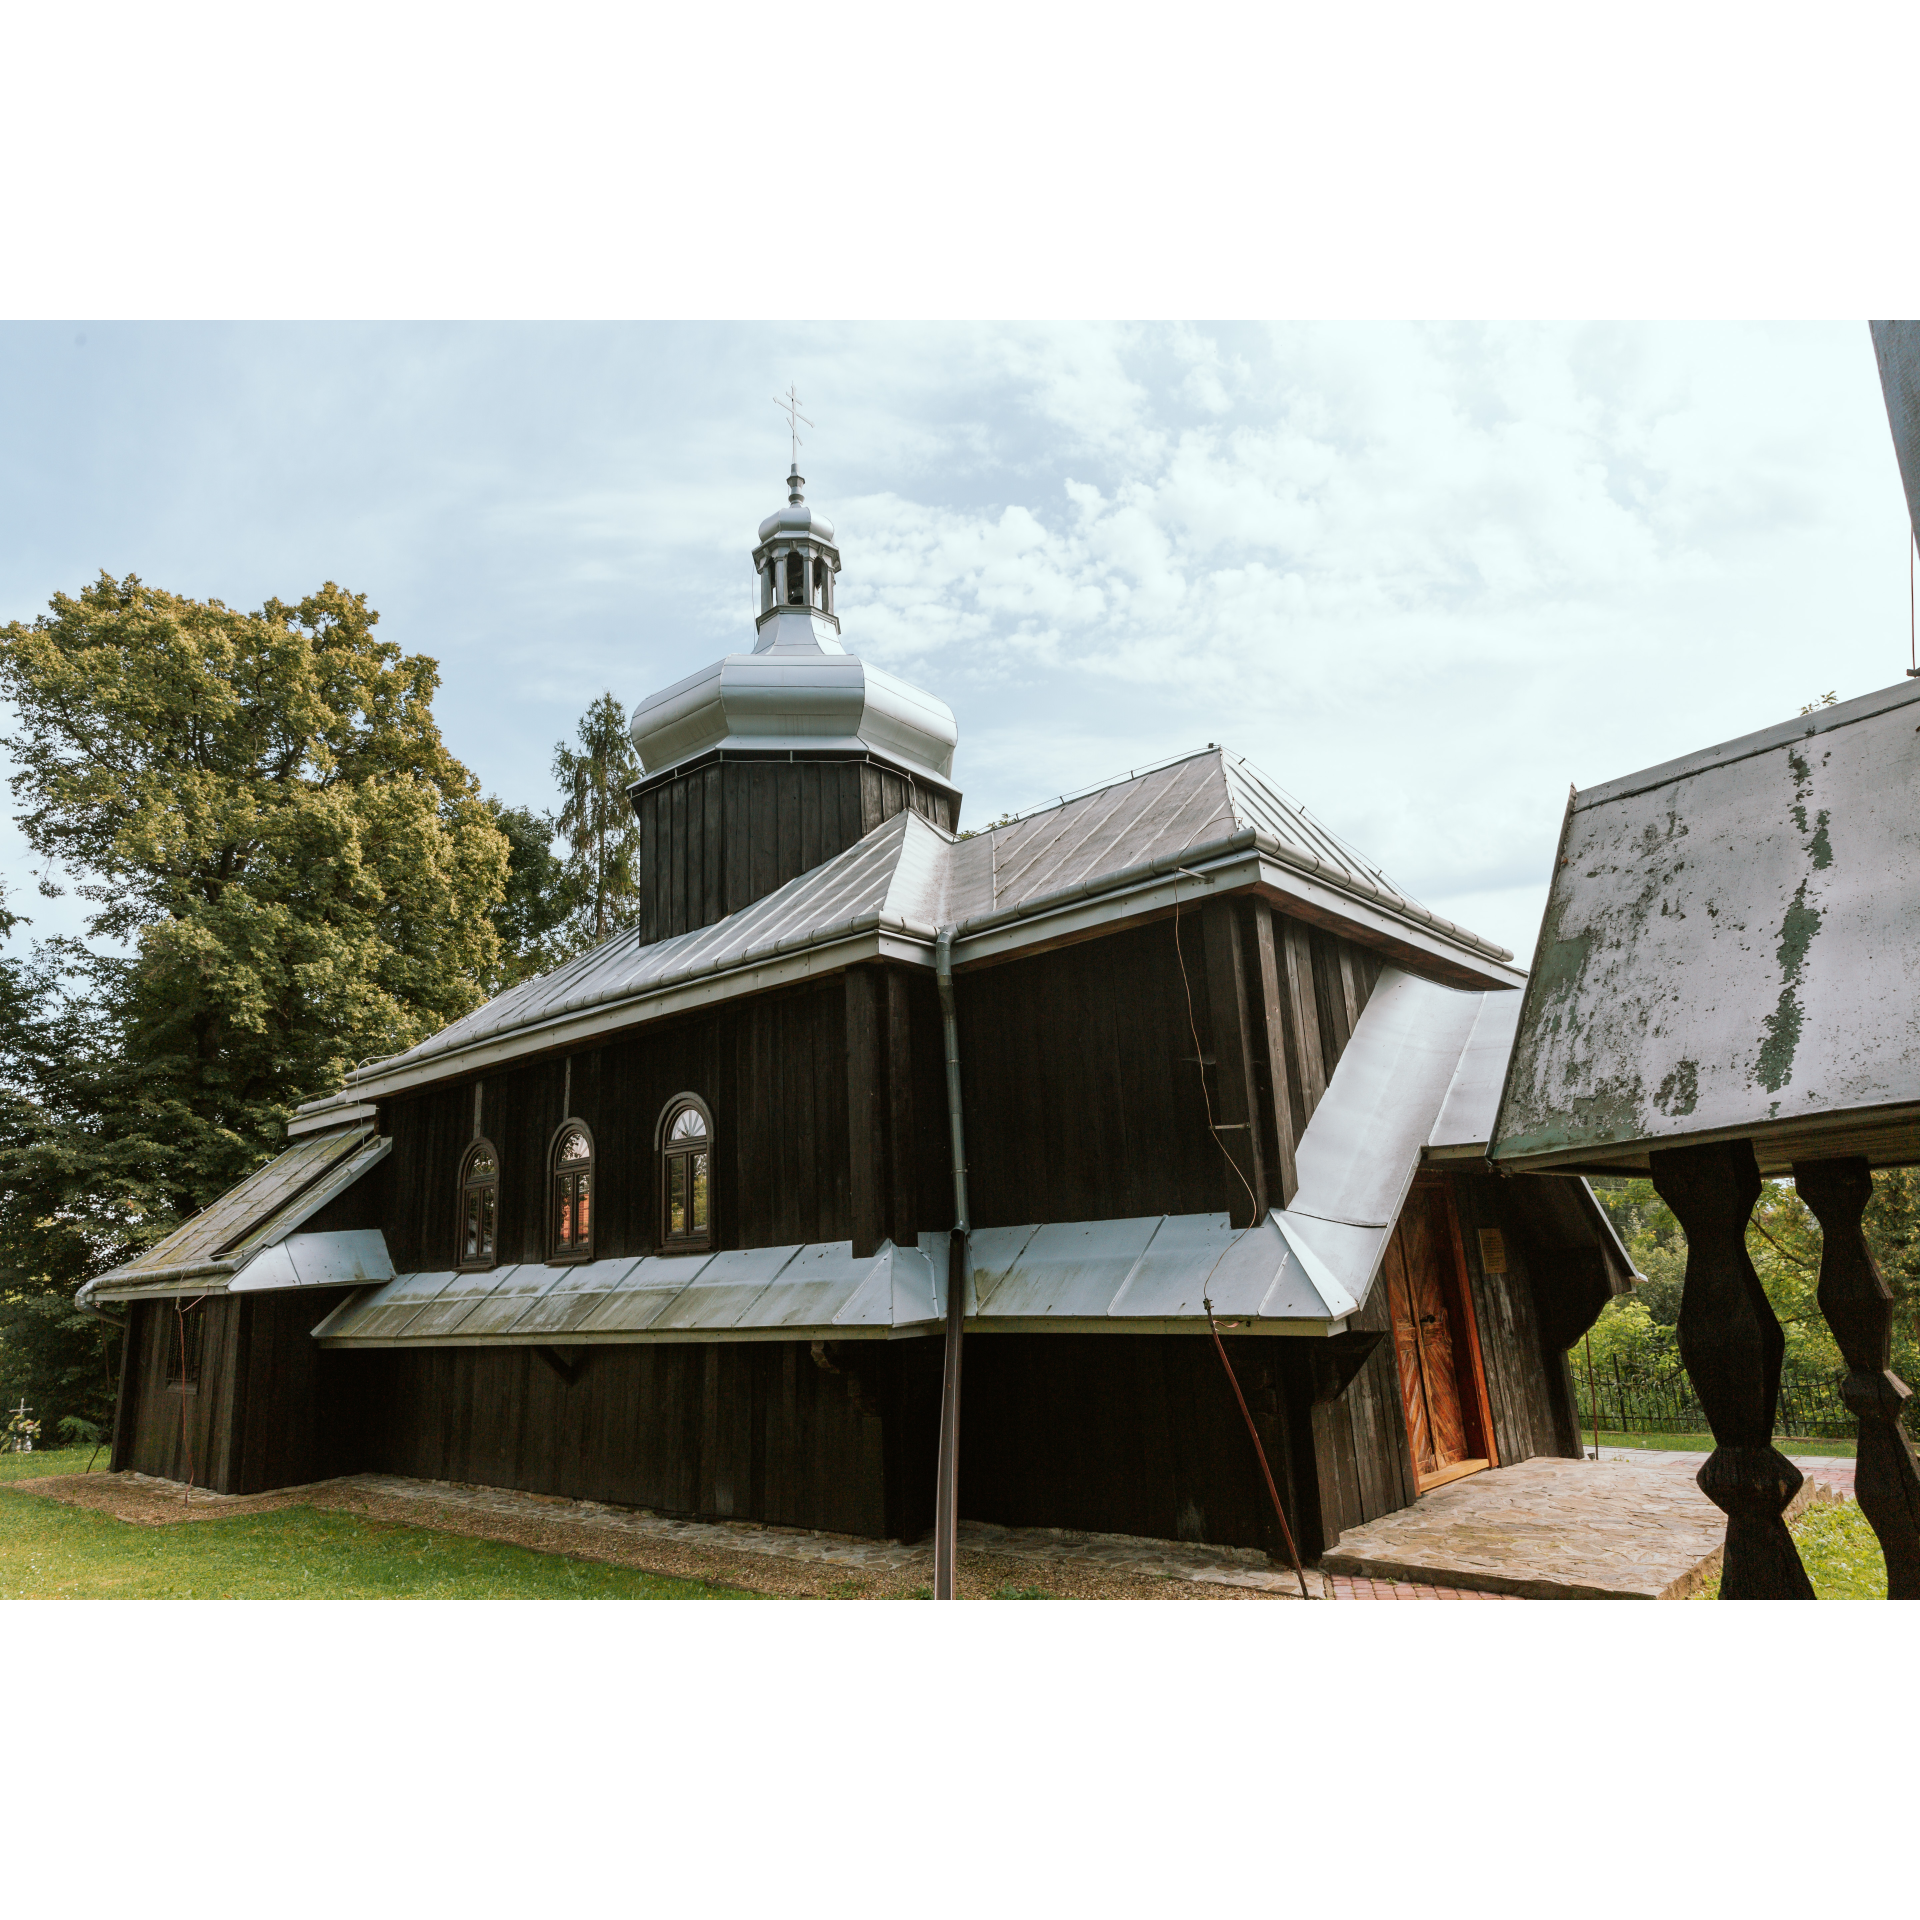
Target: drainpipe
x,y
946,1498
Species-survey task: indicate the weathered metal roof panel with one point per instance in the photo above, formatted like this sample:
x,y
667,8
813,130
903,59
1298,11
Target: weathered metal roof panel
x,y
1729,950
351,1258
227,1238
1073,1270
1896,345
856,882
500,1308
1473,1097
725,1289
1170,1276
572,1296
448,1308
637,1297
390,1312
236,1216
1362,1147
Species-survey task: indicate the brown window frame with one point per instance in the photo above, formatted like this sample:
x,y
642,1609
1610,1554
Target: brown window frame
x,y
665,1154
468,1184
557,1255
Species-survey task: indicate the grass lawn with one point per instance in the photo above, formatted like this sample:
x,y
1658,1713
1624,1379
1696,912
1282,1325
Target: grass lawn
x,y
49,1551
43,1466
1703,1443
1839,1552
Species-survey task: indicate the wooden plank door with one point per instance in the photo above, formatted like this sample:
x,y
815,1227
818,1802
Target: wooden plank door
x,y
1434,1342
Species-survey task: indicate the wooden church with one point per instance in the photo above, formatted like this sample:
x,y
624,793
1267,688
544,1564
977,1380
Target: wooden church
x,y
674,1226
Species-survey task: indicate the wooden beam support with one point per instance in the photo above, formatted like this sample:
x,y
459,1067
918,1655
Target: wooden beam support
x,y
903,1211
1732,1346
1306,1069
1236,1110
866,1133
1859,1309
1271,1024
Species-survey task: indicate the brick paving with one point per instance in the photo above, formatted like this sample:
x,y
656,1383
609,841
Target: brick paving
x,y
1629,1526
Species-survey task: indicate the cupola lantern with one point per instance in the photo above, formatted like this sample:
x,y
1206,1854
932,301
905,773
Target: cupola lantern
x,y
796,562
766,763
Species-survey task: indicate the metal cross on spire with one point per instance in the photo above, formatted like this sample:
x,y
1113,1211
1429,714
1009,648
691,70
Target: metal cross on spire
x,y
789,404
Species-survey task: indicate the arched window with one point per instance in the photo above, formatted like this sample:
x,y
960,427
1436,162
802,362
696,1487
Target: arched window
x,y
479,1205
686,1177
796,579
572,1220
821,575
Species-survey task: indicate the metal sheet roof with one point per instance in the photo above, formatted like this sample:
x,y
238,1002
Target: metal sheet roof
x,y
353,1258
998,888
893,872
267,1206
1465,1126
1729,950
1896,345
758,1293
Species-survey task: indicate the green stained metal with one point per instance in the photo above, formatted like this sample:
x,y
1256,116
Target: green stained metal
x,y
1679,1092
1774,1067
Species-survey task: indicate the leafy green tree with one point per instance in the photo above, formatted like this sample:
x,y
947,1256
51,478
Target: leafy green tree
x,y
597,822
534,908
259,806
1784,1243
289,874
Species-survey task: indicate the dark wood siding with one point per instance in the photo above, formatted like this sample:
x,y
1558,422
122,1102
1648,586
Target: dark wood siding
x,y
773,1070
741,1431
1082,1080
270,1409
1126,1433
720,835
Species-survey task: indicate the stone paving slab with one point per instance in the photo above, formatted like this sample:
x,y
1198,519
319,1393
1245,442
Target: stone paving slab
x,y
1241,1567
1632,1526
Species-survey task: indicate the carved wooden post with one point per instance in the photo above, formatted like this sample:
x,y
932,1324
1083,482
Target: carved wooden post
x,y
1732,1346
1859,1309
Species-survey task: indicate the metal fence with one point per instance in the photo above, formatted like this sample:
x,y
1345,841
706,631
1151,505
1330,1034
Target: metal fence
x,y
1650,1400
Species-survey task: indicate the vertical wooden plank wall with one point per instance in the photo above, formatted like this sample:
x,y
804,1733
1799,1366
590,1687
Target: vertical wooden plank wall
x,y
725,1430
724,834
772,1069
1083,1065
1135,1433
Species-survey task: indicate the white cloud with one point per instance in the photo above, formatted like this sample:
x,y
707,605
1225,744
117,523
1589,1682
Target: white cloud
x,y
1424,575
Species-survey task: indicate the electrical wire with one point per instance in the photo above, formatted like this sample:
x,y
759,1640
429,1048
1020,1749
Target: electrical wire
x,y
1273,1492
1219,1346
1213,1132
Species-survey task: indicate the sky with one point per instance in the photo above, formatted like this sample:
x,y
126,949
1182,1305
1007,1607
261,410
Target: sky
x,y
1424,576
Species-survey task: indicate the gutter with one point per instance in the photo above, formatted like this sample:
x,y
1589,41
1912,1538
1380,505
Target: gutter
x,y
946,1496
192,1270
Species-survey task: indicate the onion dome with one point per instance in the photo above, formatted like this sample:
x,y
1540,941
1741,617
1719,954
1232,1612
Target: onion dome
x,y
798,692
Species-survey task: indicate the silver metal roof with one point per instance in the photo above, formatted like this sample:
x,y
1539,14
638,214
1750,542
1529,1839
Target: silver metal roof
x,y
760,1293
1464,1129
1896,345
1109,855
356,1257
1729,951
262,1211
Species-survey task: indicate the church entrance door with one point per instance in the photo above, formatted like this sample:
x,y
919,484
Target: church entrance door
x,y
1435,1341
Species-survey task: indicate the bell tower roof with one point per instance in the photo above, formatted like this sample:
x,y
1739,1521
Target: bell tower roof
x,y
797,693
